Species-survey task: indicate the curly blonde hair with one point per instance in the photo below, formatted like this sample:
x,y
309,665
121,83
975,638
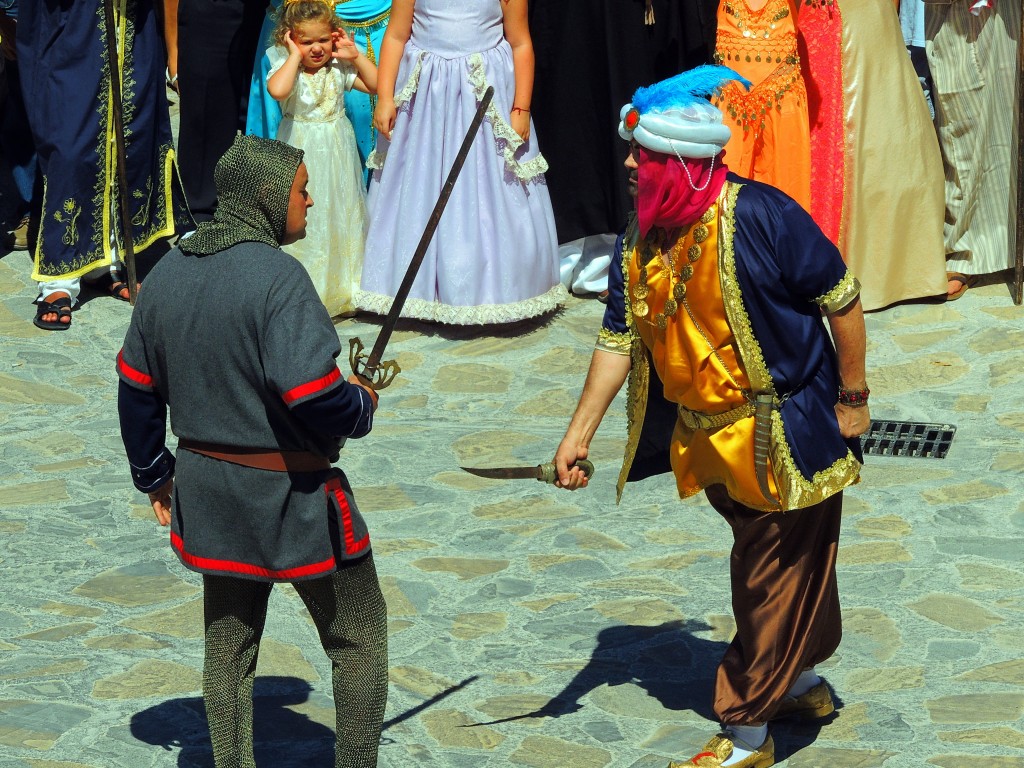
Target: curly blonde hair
x,y
295,12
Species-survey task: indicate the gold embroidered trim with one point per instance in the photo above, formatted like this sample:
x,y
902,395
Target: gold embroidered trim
x,y
748,350
638,383
796,491
846,291
610,341
750,108
377,21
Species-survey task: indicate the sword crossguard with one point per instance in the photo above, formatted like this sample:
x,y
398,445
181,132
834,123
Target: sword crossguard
x,y
381,376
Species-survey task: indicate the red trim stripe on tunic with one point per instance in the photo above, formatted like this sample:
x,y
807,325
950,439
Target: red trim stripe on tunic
x,y
352,547
311,387
137,376
230,566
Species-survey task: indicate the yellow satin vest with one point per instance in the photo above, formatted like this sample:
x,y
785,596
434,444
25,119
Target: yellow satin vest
x,y
696,360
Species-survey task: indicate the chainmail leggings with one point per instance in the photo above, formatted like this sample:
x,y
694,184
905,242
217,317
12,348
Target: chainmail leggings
x,y
350,615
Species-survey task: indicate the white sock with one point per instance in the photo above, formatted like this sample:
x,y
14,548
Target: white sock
x,y
742,737
807,680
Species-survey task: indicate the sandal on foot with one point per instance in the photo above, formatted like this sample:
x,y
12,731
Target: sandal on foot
x,y
61,306
965,283
113,286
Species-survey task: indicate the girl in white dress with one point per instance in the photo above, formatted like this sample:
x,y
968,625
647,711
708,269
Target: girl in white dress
x,y
312,65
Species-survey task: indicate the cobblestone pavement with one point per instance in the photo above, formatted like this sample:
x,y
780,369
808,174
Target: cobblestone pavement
x,y
528,626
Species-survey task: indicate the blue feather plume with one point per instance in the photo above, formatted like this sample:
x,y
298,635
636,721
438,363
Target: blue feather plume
x,y
688,88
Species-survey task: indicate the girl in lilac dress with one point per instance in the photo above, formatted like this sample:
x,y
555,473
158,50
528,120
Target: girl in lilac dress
x,y
494,257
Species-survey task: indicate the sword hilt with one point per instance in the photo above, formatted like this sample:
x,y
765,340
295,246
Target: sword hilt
x,y
380,375
549,474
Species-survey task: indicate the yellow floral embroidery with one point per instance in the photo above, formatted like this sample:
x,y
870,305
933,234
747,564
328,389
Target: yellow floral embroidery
x,y
68,216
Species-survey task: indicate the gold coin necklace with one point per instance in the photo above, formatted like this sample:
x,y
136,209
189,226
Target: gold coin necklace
x,y
641,290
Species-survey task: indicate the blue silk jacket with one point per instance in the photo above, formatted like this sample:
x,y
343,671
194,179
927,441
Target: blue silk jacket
x,y
778,274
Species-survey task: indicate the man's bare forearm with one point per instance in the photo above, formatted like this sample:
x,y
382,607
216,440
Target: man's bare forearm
x,y
608,372
850,337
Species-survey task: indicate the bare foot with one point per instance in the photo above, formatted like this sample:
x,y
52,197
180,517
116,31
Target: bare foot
x,y
956,285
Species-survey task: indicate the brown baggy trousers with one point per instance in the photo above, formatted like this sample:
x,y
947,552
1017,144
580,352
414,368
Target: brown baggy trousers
x,y
785,601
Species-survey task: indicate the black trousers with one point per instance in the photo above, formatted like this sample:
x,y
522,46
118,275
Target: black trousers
x,y
217,42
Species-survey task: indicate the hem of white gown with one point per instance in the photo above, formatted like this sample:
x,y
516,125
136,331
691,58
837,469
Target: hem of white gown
x,y
449,314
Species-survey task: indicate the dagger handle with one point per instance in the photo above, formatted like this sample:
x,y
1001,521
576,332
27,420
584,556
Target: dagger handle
x,y
548,473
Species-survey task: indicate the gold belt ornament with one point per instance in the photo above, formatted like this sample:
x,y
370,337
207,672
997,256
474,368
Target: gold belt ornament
x,y
701,420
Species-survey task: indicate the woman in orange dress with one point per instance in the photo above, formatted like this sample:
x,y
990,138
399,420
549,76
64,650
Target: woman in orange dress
x,y
770,132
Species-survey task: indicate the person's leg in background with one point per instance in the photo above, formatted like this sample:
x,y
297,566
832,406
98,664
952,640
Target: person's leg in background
x,y
217,42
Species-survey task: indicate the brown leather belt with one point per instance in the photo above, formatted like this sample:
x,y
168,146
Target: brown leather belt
x,y
258,458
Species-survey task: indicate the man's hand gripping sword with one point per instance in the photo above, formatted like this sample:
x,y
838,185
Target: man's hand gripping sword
x,y
377,373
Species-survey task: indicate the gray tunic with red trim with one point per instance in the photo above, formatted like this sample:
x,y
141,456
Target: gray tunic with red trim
x,y
239,347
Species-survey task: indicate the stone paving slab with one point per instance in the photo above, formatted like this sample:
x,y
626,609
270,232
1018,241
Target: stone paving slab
x,y
528,627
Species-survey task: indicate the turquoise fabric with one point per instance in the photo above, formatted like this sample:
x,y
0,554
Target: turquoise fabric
x,y
265,113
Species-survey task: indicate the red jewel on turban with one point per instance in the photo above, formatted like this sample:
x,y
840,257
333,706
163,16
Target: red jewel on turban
x,y
632,119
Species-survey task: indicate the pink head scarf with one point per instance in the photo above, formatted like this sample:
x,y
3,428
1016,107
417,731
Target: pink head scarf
x,y
666,196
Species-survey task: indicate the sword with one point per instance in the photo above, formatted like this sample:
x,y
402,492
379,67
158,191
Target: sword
x,y
1018,262
381,374
544,472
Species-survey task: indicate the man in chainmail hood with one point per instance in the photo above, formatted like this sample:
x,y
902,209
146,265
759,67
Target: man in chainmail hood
x,y
231,337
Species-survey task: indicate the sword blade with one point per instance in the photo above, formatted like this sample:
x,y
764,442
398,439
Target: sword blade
x,y
373,361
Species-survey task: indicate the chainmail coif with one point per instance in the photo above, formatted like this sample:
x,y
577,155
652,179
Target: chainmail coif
x,y
254,180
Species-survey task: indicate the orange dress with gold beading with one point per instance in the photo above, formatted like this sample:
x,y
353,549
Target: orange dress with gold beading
x,y
770,131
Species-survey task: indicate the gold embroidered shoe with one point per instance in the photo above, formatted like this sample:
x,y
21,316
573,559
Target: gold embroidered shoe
x,y
718,750
816,703
19,235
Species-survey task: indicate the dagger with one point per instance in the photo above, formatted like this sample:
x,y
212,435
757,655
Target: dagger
x,y
546,473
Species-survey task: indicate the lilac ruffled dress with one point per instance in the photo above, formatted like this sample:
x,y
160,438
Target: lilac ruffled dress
x,y
494,257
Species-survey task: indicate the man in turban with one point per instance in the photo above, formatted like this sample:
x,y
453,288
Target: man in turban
x,y
715,317
229,334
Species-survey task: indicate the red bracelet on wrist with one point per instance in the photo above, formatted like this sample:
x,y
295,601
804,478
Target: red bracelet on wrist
x,y
520,109
854,398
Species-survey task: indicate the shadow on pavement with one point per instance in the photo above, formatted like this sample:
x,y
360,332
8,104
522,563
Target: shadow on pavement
x,y
283,738
668,661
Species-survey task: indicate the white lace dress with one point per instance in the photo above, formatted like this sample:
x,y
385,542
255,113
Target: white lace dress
x,y
314,120
494,258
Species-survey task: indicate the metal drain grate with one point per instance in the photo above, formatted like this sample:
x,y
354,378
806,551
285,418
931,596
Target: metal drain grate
x,y
908,438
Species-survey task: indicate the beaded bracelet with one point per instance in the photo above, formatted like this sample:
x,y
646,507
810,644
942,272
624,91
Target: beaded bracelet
x,y
854,398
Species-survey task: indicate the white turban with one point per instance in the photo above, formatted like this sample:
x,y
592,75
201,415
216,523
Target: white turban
x,y
674,117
